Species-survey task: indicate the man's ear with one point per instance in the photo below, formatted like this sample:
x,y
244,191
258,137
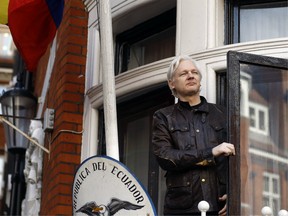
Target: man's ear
x,y
171,84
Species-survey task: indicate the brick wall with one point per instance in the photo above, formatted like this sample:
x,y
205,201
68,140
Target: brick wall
x,y
65,96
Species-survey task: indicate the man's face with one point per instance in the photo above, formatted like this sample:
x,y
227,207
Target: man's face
x,y
186,80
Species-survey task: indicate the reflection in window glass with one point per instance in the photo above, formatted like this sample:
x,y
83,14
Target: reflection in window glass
x,y
265,201
264,144
261,120
266,183
275,206
252,117
271,194
275,186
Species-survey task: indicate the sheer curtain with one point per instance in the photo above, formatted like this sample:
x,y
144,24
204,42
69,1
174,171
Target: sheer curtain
x,y
153,48
263,21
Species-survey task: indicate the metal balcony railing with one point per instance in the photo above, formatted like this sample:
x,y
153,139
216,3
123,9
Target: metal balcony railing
x,y
203,207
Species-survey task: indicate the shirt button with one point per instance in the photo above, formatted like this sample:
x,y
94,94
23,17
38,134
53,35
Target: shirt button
x,y
203,180
197,130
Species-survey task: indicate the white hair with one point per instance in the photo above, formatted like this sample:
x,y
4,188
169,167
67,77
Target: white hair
x,y
174,65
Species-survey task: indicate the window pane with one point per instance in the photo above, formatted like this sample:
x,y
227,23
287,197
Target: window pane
x,y
136,150
264,149
149,41
266,183
275,186
154,48
275,206
252,117
265,201
261,120
263,21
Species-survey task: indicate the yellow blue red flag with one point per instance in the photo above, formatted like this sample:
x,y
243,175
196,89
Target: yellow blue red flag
x,y
33,25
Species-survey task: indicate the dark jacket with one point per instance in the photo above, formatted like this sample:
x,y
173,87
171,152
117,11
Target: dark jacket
x,y
183,138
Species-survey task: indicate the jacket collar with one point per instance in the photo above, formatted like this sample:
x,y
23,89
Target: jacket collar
x,y
202,107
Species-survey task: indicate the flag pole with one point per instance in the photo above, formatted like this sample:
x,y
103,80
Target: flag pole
x,y
24,134
109,96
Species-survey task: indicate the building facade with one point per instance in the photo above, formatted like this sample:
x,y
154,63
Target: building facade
x,y
146,35
6,73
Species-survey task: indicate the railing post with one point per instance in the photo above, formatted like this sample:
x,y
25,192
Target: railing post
x,y
266,211
283,212
203,207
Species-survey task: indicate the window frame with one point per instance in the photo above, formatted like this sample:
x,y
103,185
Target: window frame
x,y
270,195
234,59
232,18
140,32
259,108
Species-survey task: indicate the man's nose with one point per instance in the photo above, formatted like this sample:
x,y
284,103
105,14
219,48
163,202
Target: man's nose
x,y
190,74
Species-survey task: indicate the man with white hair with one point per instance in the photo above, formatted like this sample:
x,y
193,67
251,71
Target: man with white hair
x,y
189,142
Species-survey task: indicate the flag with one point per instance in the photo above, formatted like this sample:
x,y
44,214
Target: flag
x,y
33,25
4,12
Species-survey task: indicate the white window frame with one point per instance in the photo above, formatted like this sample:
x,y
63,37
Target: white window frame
x,y
258,108
270,194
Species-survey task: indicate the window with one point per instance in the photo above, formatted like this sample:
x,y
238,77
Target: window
x,y
271,189
252,117
258,118
134,123
250,187
250,20
150,41
136,149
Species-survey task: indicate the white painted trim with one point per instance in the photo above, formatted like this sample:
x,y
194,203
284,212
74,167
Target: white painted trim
x,y
46,84
268,155
211,60
90,133
211,24
257,108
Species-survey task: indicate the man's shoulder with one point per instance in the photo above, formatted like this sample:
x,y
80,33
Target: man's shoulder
x,y
217,108
212,107
166,110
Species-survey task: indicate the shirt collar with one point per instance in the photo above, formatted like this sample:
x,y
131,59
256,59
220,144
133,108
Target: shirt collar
x,y
202,106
